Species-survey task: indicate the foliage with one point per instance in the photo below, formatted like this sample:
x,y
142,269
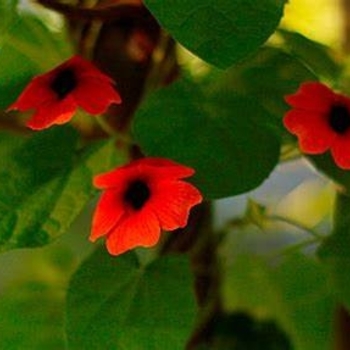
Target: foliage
x,y
131,300
202,85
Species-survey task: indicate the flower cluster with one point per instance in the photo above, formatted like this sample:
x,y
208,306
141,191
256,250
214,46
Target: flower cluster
x,y
320,118
149,195
139,198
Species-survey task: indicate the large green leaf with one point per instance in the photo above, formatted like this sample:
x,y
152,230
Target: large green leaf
x,y
221,32
31,317
130,306
16,70
316,56
268,76
293,292
21,54
227,139
45,183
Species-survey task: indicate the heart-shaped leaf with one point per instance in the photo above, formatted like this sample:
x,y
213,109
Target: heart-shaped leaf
x,y
220,32
130,306
227,139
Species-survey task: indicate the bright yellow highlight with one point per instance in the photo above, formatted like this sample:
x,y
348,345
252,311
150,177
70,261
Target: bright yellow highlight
x,y
319,20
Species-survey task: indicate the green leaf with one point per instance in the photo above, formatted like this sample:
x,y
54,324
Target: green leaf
x,y
316,56
21,54
226,138
46,182
221,32
334,252
241,331
294,293
130,307
268,76
16,70
7,14
31,317
325,164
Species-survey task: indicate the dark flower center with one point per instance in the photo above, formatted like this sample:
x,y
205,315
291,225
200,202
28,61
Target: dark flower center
x,y
137,194
64,83
339,119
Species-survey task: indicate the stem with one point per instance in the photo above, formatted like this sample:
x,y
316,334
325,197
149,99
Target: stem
x,y
199,241
342,317
295,247
342,329
317,236
108,129
107,13
289,153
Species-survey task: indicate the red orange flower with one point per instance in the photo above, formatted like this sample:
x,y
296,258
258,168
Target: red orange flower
x,y
140,199
57,94
320,118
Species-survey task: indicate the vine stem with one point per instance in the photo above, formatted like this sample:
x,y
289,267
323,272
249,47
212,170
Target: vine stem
x,y
294,247
104,125
342,317
118,10
342,327
289,153
317,236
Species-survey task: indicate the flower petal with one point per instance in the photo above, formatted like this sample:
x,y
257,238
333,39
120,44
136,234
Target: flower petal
x,y
34,95
314,134
117,178
108,212
54,112
164,168
86,69
312,96
136,229
340,151
298,121
94,95
172,202
151,169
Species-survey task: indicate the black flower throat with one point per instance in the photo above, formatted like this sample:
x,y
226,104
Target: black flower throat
x,y
137,194
64,83
339,119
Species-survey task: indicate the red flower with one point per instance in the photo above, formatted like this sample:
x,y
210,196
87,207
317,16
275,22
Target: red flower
x,y
57,94
140,199
320,118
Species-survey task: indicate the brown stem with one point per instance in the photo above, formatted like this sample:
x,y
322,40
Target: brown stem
x,y
200,242
342,329
110,36
111,52
108,13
